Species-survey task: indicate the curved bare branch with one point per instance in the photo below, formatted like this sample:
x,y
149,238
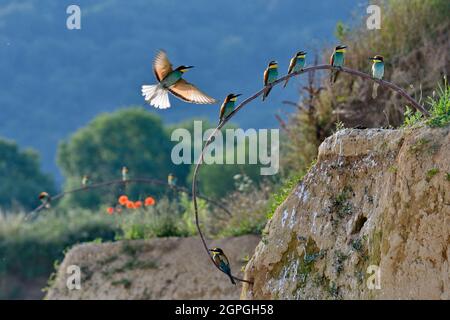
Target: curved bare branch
x,y
357,73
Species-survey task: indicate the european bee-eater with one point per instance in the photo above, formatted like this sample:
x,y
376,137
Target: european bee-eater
x,y
85,180
337,60
172,180
170,80
45,199
227,106
124,173
377,72
221,261
270,75
297,63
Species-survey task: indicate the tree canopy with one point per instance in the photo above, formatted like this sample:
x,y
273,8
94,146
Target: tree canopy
x,y
131,137
21,177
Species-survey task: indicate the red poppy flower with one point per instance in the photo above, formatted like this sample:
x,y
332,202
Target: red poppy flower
x,y
138,204
110,210
130,204
149,201
123,200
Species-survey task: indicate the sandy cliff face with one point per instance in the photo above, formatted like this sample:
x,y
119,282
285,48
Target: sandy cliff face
x,y
371,220
163,268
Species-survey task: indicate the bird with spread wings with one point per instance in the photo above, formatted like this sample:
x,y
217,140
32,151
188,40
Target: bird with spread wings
x,y
170,80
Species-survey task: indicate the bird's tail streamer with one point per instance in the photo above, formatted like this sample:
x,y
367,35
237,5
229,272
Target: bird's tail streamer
x,y
285,83
156,95
231,278
266,93
333,76
375,90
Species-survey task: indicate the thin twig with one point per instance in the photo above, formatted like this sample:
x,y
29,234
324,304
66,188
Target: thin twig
x,y
363,75
134,180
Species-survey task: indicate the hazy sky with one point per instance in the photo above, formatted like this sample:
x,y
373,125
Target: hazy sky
x,y
55,80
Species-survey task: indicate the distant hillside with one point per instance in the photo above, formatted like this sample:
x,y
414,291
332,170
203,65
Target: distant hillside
x,y
55,80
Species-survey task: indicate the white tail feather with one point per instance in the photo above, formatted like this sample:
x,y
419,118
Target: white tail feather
x,y
156,96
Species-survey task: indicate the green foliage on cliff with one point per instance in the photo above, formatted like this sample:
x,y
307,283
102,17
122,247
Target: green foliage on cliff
x,y
439,104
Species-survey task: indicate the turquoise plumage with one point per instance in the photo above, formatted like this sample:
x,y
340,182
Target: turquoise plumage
x,y
270,75
296,64
227,106
377,72
337,60
221,261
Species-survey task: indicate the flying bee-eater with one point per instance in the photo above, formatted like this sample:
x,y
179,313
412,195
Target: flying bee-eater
x,y
297,63
45,199
221,261
377,72
124,173
270,75
170,80
171,180
228,106
85,180
337,60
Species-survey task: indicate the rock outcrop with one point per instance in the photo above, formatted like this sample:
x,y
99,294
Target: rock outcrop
x,y
162,268
370,220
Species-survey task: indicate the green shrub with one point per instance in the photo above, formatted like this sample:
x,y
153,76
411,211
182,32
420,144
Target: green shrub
x,y
29,248
21,177
162,220
439,110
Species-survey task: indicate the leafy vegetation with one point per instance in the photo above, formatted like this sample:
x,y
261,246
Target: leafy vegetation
x,y
414,61
281,194
130,137
439,109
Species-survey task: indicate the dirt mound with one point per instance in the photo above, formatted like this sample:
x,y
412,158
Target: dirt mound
x,y
162,268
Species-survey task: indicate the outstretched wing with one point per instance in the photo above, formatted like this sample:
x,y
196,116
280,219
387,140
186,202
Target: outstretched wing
x,y
190,93
161,65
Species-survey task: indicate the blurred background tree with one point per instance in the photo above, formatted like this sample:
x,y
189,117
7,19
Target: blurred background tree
x,y
131,137
21,177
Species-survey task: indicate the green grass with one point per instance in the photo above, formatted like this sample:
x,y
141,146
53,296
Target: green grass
x,y
431,173
282,193
439,110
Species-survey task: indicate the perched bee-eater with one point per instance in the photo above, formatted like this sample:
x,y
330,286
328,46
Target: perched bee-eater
x,y
85,180
270,75
221,261
228,106
170,80
172,180
297,63
337,60
377,72
124,173
45,199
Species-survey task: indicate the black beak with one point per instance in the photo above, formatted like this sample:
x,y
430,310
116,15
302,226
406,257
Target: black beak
x,y
189,67
237,95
